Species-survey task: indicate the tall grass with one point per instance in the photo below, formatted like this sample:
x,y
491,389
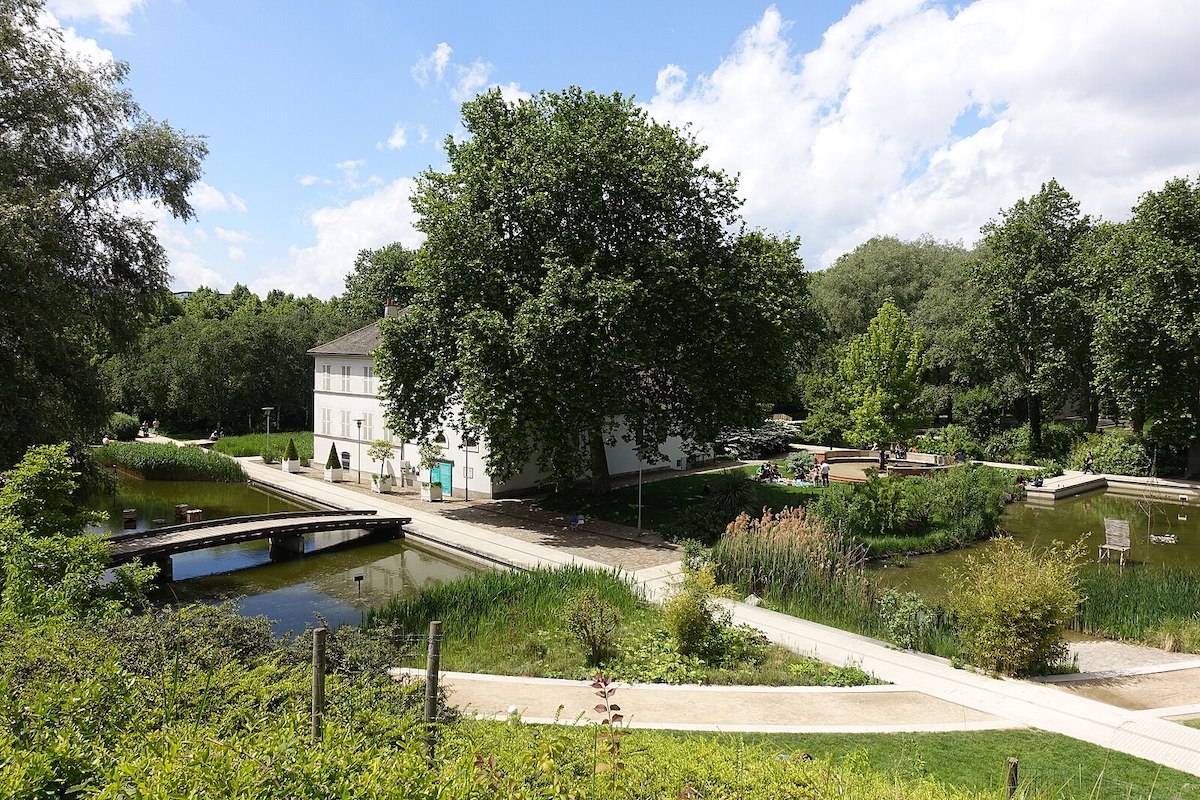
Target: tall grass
x,y
168,462
253,444
1157,606
796,560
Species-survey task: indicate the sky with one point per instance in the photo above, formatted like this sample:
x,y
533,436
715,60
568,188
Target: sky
x,y
843,121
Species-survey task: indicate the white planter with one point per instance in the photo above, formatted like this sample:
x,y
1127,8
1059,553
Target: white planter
x,y
431,492
290,466
382,483
333,475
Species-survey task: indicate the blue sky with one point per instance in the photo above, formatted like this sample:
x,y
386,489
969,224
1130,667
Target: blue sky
x,y
844,121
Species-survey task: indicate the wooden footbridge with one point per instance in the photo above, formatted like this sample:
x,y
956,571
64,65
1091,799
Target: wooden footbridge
x,y
285,530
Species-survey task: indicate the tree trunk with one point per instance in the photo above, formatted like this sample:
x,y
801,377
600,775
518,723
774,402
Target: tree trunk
x,y
1035,424
1093,413
1138,419
1193,458
600,479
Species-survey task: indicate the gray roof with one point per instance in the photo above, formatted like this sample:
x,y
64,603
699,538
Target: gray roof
x,y
361,342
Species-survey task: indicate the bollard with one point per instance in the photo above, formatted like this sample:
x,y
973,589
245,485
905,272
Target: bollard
x,y
1012,779
195,514
181,510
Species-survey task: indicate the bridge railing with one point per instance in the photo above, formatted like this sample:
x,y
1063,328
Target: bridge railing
x,y
188,526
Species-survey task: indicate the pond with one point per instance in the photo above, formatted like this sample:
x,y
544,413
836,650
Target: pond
x,y
291,593
1067,521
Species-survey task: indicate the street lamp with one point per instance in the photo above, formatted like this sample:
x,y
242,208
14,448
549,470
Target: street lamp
x,y
267,412
358,457
467,443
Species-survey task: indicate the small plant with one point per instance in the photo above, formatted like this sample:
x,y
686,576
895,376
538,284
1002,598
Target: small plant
x,y
688,618
594,621
331,461
611,732
290,453
270,454
380,450
428,455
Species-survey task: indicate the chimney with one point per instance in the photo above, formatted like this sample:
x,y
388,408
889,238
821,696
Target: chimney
x,y
390,309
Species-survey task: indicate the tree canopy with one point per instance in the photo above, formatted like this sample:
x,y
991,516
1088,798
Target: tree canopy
x,y
379,276
580,282
79,268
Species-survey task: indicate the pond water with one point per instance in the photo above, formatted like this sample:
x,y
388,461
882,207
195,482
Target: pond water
x,y
1068,521
291,593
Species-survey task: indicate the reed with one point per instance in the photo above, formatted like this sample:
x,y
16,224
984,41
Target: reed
x,y
1158,606
168,462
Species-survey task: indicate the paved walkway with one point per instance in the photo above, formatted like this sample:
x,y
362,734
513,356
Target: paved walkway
x,y
922,684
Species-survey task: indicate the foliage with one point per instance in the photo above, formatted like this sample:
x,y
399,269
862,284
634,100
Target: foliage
x,y
948,441
598,225
688,619
1147,330
378,277
768,439
700,522
380,450
1015,445
909,622
1113,452
879,379
1035,309
732,493
1013,603
51,565
594,621
800,462
1141,605
169,462
79,266
332,461
271,453
979,411
216,360
123,427
290,453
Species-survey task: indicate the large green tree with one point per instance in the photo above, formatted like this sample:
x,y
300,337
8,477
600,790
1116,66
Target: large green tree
x,y
379,276
77,267
580,282
1147,341
1035,317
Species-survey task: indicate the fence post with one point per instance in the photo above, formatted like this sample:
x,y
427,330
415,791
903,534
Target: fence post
x,y
431,685
1012,779
318,682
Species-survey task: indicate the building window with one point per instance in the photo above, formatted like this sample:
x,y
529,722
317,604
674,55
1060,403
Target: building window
x,y
345,379
325,377
368,426
369,380
345,422
326,420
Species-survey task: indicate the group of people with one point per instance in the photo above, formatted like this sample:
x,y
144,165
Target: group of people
x,y
818,474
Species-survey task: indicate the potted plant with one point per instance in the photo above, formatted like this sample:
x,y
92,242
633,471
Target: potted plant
x,y
333,465
381,450
430,454
291,458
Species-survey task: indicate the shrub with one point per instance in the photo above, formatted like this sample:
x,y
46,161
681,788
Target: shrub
x,y
978,411
949,441
1114,452
1013,445
910,622
800,462
768,439
732,493
270,453
1013,603
332,461
594,621
123,427
688,619
168,462
289,452
699,522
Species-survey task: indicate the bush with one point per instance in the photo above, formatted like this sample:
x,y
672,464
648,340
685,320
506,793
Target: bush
x,y
594,621
270,453
766,440
977,410
123,427
1012,604
168,462
290,453
1013,445
800,462
332,461
1114,452
699,522
949,441
688,619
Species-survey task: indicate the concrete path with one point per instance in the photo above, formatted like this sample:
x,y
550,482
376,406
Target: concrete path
x,y
967,697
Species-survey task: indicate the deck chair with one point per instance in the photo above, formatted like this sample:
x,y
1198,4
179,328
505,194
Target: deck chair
x,y
1116,537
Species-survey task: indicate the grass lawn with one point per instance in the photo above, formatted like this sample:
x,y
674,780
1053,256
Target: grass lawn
x,y
1054,765
663,500
252,444
1192,723
515,623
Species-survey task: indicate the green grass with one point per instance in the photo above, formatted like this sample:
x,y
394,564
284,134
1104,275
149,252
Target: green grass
x,y
1055,765
252,444
169,462
512,623
663,501
1157,606
1191,723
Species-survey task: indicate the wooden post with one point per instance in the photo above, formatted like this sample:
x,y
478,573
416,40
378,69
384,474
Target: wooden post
x,y
431,685
1012,779
318,682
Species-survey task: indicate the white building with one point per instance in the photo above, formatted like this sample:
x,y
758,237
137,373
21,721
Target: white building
x,y
347,412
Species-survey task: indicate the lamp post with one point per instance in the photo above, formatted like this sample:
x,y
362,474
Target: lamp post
x,y
267,412
358,456
467,443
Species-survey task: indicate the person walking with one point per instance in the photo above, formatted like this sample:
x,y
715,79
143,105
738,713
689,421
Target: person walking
x,y
824,473
1089,465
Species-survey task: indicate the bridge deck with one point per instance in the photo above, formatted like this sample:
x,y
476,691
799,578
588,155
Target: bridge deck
x,y
172,539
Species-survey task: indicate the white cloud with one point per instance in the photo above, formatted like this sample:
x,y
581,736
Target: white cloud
x,y
238,203
470,80
113,14
204,197
350,164
372,221
433,64
397,141
236,254
308,180
912,119
224,235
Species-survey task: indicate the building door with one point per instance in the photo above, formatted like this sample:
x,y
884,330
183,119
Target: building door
x,y
446,471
